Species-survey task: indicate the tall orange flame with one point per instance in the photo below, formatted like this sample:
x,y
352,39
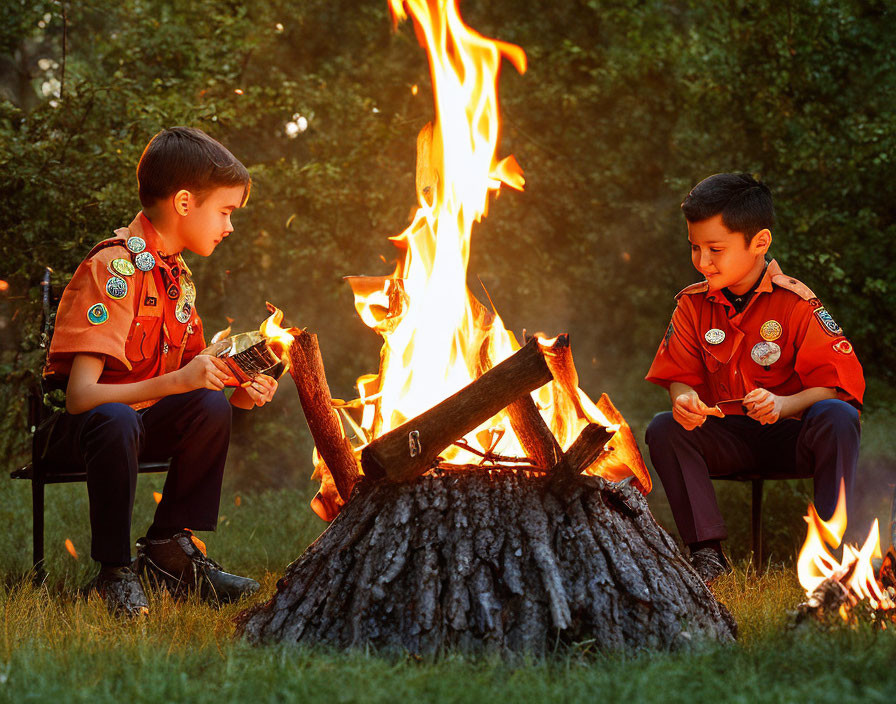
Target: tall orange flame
x,y
436,334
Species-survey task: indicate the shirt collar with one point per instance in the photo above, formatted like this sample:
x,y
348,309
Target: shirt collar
x,y
765,285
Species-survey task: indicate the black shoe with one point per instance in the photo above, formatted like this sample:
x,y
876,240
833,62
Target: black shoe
x,y
710,564
181,566
120,587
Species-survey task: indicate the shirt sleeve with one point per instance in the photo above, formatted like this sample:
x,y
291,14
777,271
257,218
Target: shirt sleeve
x,y
824,356
678,357
90,320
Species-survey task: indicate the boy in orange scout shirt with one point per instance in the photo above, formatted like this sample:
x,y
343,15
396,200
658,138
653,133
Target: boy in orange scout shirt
x,y
126,346
760,375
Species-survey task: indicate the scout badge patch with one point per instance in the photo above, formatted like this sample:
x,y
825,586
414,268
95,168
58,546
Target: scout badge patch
x,y
116,287
827,322
183,311
843,346
715,336
771,330
136,244
765,353
144,261
122,267
97,314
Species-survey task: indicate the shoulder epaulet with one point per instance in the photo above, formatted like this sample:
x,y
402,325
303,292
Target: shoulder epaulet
x,y
699,287
105,244
791,284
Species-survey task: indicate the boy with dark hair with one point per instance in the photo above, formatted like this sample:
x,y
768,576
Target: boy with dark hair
x,y
760,376
126,348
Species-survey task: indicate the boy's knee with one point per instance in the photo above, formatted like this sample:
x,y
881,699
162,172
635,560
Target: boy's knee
x,y
662,428
832,415
215,406
114,421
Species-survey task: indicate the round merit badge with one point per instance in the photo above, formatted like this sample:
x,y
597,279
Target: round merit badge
x,y
765,353
771,330
97,314
145,261
183,312
714,336
116,287
136,244
122,266
843,346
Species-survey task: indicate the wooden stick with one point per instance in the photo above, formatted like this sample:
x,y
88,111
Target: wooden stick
x,y
527,423
582,453
307,370
533,433
409,450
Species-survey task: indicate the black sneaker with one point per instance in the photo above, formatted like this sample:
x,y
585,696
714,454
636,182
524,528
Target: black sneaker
x,y
181,566
710,564
122,591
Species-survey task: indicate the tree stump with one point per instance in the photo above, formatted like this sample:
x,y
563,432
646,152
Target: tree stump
x,y
497,560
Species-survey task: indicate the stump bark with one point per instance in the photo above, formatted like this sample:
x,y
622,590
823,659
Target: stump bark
x,y
491,560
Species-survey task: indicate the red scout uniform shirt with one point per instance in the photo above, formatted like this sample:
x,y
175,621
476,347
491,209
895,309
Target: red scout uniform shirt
x,y
783,341
131,303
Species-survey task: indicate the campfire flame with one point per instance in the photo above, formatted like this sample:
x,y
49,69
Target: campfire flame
x,y
854,571
279,339
438,337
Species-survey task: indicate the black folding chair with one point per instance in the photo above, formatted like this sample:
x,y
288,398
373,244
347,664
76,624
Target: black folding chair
x,y
40,471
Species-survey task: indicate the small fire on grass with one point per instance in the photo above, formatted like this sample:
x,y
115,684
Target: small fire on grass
x,y
847,587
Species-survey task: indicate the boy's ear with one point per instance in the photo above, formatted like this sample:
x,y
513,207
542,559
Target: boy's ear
x,y
761,241
182,202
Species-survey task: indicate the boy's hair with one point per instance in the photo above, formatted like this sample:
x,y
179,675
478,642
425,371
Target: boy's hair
x,y
744,203
186,158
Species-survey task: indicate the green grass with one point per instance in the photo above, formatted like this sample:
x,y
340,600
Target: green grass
x,y
55,646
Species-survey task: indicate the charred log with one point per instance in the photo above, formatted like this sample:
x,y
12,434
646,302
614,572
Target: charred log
x,y
503,561
410,449
586,449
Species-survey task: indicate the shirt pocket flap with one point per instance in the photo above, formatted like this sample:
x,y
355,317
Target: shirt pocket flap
x,y
143,339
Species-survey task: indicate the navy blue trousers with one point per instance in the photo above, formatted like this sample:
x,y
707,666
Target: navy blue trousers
x,y
192,429
824,445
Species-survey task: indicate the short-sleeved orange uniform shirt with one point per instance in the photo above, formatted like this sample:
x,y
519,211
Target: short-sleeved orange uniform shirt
x,y
131,303
783,341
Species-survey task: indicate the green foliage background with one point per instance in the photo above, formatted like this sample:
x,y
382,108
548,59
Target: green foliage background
x,y
625,106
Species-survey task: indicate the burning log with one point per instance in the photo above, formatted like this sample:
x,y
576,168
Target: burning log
x,y
409,450
582,453
501,561
307,370
536,438
534,435
827,602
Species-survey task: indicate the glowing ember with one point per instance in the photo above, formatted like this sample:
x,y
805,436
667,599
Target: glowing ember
x,y
70,546
853,571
